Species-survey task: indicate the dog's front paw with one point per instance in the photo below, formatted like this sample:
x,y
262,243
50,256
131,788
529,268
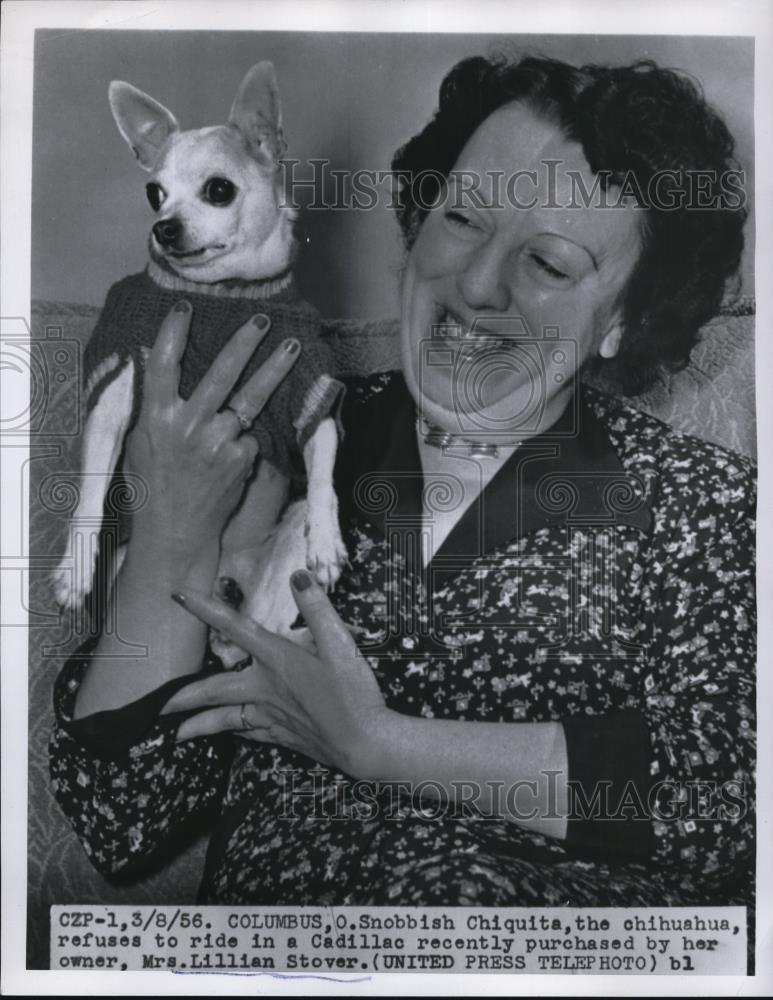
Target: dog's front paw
x,y
61,584
326,553
71,581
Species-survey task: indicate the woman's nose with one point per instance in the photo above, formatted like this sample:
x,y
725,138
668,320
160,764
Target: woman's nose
x,y
484,281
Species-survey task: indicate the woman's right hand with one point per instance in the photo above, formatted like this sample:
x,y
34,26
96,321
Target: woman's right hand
x,y
193,459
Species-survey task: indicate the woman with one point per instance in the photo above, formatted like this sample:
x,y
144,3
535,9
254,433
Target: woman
x,y
540,662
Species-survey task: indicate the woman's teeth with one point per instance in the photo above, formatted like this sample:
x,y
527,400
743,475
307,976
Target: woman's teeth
x,y
469,344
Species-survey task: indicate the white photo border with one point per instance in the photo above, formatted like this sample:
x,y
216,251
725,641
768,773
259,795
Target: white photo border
x,y
668,17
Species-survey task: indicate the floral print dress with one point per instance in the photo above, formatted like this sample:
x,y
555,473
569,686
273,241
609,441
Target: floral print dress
x,y
604,579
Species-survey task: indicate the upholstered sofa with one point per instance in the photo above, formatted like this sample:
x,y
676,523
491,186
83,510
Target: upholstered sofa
x,y
712,398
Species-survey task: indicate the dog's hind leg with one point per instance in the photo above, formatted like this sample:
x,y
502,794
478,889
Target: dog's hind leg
x,y
102,443
269,600
245,546
254,519
325,549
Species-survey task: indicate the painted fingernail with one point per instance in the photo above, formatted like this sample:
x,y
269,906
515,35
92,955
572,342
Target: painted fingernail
x,y
261,321
179,598
183,306
300,580
292,346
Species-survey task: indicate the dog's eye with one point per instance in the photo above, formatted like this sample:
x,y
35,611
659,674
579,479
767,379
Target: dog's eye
x,y
219,191
155,195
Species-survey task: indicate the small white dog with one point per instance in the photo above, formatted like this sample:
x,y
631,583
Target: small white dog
x,y
223,240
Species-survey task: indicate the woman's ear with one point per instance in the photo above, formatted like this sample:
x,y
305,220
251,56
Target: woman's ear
x,y
610,345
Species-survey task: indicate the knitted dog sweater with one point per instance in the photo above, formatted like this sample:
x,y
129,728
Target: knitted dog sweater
x,y
131,318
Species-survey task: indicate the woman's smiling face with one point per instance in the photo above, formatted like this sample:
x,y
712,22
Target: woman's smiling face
x,y
486,276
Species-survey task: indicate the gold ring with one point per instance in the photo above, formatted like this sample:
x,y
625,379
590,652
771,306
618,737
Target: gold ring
x,y
243,717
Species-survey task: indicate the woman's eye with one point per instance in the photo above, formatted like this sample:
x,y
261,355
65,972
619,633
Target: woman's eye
x,y
457,219
155,195
548,268
219,191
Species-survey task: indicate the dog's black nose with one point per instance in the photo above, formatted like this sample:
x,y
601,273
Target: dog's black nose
x,y
167,232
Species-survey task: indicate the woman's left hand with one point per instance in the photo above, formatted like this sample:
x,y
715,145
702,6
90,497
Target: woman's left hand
x,y
326,705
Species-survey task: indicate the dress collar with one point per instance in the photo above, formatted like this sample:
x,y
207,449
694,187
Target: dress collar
x,y
569,475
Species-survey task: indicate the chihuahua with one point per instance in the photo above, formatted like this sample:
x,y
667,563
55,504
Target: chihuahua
x,y
223,240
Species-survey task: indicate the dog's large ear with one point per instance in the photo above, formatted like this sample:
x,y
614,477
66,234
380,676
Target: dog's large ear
x,y
256,112
142,121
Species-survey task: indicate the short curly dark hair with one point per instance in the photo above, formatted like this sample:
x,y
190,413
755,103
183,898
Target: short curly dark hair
x,y
637,123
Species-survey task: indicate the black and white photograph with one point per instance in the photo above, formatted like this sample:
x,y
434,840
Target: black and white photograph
x,y
383,404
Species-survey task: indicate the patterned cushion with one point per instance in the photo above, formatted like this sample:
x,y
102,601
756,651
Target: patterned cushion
x,y
712,398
